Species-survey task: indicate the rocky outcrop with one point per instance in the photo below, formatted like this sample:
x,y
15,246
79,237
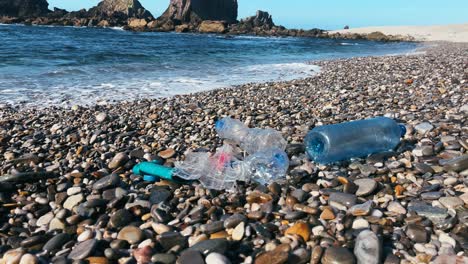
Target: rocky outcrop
x,y
128,8
23,8
261,19
208,26
195,11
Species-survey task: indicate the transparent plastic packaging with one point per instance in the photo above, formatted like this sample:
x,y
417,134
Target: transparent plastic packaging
x,y
331,143
251,140
209,170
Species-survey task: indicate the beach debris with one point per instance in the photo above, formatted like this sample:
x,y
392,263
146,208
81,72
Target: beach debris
x,y
221,170
355,139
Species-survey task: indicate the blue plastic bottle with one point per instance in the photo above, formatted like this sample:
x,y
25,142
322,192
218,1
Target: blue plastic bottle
x,y
331,143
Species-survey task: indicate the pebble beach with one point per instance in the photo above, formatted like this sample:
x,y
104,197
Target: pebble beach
x,y
68,194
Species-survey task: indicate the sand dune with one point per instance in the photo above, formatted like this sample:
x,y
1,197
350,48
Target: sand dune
x,y
452,33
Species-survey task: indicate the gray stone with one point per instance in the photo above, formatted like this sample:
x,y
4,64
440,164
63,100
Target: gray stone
x,y
83,250
435,214
120,218
159,195
118,160
171,239
338,255
212,227
131,234
234,220
344,199
73,201
457,164
423,128
56,242
451,202
417,233
163,258
216,258
218,245
107,182
191,257
366,186
368,249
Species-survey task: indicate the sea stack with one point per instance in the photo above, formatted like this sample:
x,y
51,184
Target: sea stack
x,y
195,11
24,8
128,8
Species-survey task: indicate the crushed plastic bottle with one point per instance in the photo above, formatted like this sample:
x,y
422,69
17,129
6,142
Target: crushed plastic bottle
x,y
267,166
211,171
268,161
331,143
251,140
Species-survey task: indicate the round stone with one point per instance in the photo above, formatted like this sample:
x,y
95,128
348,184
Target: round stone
x,y
216,258
365,186
131,234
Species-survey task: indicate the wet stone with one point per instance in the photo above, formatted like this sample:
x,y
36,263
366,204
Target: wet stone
x,y
159,195
56,242
163,258
212,227
423,168
107,182
367,170
431,195
366,186
451,202
171,239
234,220
424,127
457,164
216,258
338,255
277,256
435,214
361,209
83,249
417,233
219,245
120,218
396,208
344,199
368,248
301,229
299,194
118,160
191,257
131,234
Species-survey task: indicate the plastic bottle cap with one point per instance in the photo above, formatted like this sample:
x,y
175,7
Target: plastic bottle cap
x,y
219,124
402,130
149,178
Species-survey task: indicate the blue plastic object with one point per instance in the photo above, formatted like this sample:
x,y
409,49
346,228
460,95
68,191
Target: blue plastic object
x,y
151,171
332,143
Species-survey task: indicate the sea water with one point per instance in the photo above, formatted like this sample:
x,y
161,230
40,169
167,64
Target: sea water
x,y
43,65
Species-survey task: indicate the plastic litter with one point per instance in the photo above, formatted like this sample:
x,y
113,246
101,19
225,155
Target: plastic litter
x,y
268,160
331,143
251,140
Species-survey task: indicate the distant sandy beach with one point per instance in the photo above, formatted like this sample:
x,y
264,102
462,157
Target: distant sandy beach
x,y
451,33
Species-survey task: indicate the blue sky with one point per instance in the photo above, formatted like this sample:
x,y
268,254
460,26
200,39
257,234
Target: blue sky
x,y
330,14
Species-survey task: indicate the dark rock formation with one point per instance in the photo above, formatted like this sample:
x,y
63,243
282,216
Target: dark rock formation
x,y
196,11
23,8
261,19
129,8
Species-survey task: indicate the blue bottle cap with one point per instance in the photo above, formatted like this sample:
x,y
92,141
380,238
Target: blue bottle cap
x,y
149,178
402,130
219,124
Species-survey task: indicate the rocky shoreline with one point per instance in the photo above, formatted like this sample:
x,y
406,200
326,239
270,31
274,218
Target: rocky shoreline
x,y
194,16
71,194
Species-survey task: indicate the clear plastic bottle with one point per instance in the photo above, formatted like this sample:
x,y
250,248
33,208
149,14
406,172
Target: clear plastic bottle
x,y
251,140
331,143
